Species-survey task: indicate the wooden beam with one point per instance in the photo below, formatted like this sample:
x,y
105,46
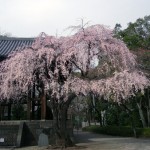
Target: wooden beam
x,y
29,99
33,101
33,106
0,111
2,107
9,111
29,109
43,106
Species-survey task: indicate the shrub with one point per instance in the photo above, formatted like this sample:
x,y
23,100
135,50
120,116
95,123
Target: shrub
x,y
145,132
118,131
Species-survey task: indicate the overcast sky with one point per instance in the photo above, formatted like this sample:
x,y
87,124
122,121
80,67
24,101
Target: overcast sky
x,y
27,18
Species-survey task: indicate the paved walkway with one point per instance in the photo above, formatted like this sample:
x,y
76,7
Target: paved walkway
x,y
91,141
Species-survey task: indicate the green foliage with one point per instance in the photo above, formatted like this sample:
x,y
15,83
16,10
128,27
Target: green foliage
x,y
118,131
145,132
143,58
111,130
112,113
118,115
137,38
136,35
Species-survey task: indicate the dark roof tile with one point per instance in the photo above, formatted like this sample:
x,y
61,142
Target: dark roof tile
x,y
7,45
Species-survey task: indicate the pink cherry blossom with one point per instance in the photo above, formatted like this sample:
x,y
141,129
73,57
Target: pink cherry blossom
x,y
56,61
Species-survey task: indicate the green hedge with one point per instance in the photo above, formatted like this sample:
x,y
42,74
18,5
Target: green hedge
x,y
145,132
118,131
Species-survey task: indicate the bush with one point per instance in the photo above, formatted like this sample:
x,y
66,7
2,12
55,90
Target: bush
x,y
144,132
119,131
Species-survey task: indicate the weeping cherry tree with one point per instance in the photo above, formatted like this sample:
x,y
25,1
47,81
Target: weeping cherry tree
x,y
63,66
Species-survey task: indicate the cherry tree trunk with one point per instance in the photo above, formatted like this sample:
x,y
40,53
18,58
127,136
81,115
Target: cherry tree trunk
x,y
62,136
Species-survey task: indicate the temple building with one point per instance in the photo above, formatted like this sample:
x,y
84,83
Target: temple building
x,y
35,108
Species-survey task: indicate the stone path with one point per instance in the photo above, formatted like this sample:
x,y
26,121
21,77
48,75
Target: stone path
x,y
91,141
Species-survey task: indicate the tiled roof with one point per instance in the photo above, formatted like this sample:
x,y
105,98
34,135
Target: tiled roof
x,y
10,44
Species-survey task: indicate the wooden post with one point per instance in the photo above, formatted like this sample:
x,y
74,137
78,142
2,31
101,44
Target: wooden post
x,y
9,111
33,106
33,101
0,112
29,109
29,105
43,106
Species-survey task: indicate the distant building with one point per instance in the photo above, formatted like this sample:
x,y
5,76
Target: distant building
x,y
24,132
9,44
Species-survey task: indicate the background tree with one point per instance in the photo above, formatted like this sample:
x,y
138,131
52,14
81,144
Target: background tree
x,y
137,38
137,34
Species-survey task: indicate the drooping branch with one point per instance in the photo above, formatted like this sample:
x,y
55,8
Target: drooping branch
x,y
53,61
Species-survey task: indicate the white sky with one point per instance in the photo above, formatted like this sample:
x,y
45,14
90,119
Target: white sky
x,y
27,18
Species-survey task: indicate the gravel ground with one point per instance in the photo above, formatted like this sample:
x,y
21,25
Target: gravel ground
x,y
90,141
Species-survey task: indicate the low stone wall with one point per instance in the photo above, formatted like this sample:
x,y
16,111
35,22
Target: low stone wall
x,y
26,133
8,134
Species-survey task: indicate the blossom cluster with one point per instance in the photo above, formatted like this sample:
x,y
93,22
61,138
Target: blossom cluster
x,y
56,62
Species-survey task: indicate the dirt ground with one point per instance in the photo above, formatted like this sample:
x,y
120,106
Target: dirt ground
x,y
90,141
